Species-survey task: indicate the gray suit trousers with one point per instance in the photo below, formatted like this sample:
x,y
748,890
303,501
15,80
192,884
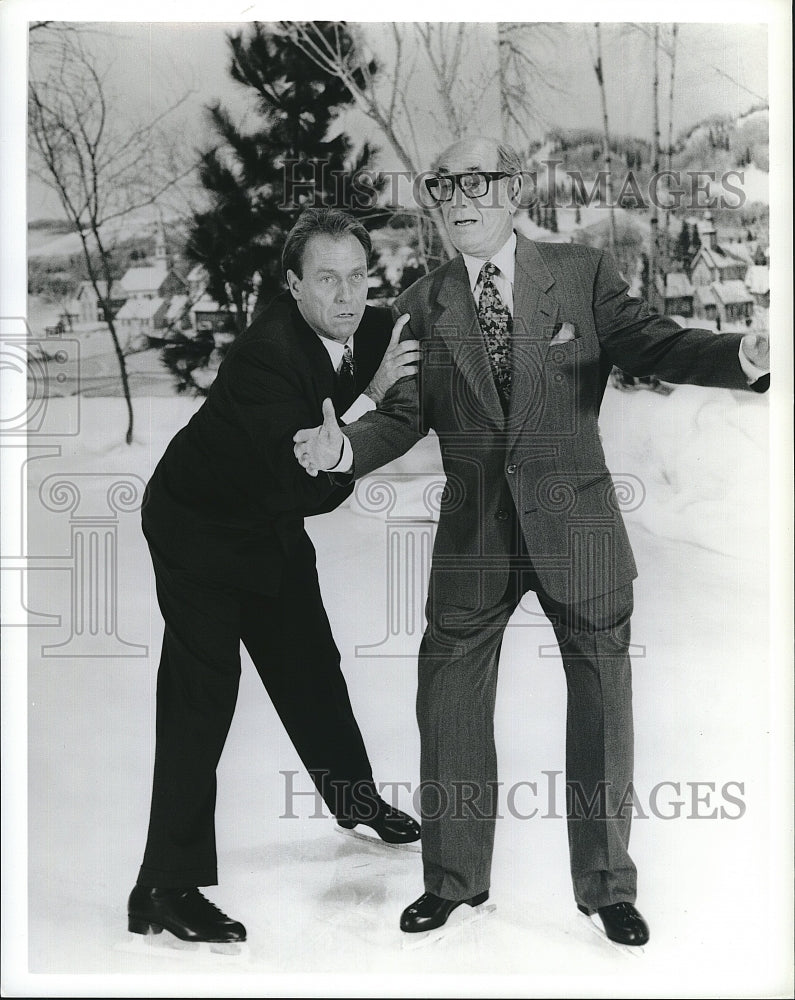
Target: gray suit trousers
x,y
458,664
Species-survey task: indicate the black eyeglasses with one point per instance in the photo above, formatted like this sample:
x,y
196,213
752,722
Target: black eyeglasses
x,y
473,184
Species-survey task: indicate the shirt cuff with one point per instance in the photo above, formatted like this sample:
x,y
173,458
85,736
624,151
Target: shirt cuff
x,y
752,371
345,463
363,404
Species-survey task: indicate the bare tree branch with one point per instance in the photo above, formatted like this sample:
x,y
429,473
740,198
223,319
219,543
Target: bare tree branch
x,y
97,176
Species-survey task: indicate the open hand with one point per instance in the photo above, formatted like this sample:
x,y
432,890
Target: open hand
x,y
401,358
320,448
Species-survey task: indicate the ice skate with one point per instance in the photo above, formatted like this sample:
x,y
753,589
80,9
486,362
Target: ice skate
x,y
173,922
456,922
388,828
621,926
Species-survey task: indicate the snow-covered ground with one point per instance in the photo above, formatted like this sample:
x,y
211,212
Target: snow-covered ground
x,y
321,908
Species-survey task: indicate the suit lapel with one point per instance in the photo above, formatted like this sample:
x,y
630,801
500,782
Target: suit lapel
x,y
323,374
457,323
535,313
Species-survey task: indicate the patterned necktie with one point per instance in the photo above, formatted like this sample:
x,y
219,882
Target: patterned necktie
x,y
345,391
495,322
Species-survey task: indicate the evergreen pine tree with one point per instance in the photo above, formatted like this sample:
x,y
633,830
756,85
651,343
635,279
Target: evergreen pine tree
x,y
682,248
257,181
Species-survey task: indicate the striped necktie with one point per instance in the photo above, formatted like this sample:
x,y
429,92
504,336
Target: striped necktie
x,y
345,390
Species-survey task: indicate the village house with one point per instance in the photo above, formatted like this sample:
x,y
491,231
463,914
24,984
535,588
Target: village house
x,y
757,281
177,316
704,304
87,308
155,280
733,301
717,261
196,282
150,291
209,317
673,294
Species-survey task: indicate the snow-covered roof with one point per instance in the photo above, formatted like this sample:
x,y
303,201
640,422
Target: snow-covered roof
x,y
197,274
731,292
176,307
87,288
677,285
739,251
207,305
705,296
719,258
139,309
145,279
757,280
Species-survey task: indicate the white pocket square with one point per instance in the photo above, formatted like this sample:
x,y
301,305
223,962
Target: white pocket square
x,y
566,332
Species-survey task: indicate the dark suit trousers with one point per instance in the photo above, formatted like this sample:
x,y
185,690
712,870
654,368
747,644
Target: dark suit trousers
x,y
455,709
290,642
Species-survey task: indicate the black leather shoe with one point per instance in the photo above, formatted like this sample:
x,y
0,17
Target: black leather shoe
x,y
184,912
622,923
429,911
391,825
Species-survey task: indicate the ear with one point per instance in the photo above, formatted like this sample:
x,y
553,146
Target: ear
x,y
294,284
515,191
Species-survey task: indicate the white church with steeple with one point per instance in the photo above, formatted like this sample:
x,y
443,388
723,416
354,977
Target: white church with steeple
x,y
151,289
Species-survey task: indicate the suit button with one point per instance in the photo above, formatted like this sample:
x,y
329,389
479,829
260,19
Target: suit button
x,y
511,469
502,515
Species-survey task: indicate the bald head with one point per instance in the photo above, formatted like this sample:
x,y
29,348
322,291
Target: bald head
x,y
507,158
480,224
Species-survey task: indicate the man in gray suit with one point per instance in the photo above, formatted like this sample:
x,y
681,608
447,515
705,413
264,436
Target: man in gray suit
x,y
518,340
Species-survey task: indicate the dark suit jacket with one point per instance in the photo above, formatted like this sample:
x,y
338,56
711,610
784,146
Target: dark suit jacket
x,y
228,496
545,461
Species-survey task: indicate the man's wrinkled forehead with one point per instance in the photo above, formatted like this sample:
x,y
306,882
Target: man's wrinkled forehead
x,y
477,154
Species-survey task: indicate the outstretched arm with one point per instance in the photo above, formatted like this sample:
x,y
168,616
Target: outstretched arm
x,y
641,343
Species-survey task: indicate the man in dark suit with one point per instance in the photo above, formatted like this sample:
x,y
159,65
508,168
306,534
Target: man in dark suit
x,y
518,340
224,518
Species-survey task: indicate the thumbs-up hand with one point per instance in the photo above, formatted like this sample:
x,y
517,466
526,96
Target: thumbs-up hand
x,y
318,449
401,358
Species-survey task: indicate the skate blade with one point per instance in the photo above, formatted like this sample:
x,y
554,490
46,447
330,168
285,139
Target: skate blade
x,y
463,924
376,841
630,950
220,955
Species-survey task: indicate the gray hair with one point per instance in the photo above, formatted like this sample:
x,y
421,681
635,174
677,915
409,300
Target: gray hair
x,y
320,222
508,159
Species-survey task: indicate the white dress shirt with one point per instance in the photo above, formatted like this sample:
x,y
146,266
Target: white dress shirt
x,y
505,260
362,403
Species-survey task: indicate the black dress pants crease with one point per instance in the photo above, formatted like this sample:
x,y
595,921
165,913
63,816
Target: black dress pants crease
x,y
289,639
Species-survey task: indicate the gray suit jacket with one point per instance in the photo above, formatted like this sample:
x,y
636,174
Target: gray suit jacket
x,y
545,459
